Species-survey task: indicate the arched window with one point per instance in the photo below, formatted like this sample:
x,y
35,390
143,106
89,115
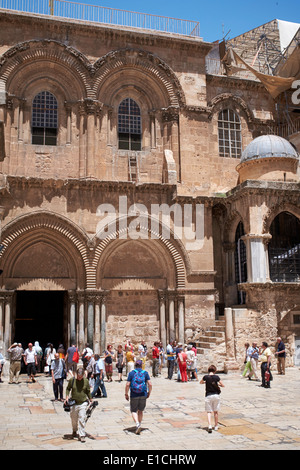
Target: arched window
x,y
44,119
129,125
240,259
229,134
284,248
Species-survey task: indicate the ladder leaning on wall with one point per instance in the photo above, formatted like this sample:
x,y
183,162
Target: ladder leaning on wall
x,y
132,167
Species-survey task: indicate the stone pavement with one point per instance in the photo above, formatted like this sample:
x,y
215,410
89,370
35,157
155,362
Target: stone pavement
x,y
251,417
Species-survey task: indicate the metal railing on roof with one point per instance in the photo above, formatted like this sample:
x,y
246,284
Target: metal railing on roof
x,y
98,14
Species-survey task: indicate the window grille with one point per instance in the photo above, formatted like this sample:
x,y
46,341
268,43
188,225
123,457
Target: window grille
x,y
229,134
129,125
44,119
240,259
284,248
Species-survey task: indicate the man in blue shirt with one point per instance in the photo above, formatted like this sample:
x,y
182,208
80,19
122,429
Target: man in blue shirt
x,y
138,381
171,354
98,376
280,353
58,373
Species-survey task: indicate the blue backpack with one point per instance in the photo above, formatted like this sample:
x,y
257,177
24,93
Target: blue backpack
x,y
138,382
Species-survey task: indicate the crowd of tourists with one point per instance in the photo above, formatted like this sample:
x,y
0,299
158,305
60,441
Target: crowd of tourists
x,y
86,373
254,354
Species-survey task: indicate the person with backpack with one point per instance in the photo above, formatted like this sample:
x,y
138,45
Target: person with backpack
x,y
58,373
138,381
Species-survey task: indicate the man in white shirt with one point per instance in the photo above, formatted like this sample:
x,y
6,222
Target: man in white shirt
x,y
30,359
142,350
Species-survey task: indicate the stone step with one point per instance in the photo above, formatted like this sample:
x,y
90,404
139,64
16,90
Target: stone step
x,y
211,334
211,337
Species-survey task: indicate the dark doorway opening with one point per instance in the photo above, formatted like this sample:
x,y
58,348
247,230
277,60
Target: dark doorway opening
x,y
40,317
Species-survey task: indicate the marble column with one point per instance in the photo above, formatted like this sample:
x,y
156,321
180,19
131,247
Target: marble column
x,y
172,331
257,257
7,320
72,319
81,311
97,329
103,324
230,361
181,320
90,321
162,317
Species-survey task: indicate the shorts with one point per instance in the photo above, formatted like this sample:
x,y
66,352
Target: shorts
x,y
31,370
137,404
212,403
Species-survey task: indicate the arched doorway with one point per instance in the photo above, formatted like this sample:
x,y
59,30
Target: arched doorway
x,y
42,265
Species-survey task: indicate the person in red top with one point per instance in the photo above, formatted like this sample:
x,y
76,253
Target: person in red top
x,y
182,357
155,359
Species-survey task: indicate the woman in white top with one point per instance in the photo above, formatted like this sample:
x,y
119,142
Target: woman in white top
x,y
50,356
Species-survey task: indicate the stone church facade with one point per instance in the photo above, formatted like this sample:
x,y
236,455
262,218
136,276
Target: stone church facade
x,y
99,125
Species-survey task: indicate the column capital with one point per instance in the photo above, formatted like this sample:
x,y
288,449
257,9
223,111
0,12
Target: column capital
x,y
162,295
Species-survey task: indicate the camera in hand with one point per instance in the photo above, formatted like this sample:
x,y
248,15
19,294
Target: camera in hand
x,y
68,404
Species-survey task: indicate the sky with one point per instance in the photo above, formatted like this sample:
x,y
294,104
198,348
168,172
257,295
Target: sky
x,y
216,18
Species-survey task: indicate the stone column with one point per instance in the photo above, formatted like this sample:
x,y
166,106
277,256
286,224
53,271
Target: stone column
x,y
172,331
9,119
90,125
7,321
21,120
81,310
103,324
109,116
69,123
230,362
72,319
257,257
90,320
181,320
97,329
162,317
1,321
171,134
152,130
82,140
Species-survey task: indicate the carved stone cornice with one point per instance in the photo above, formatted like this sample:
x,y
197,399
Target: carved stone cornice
x,y
90,106
125,187
170,114
269,286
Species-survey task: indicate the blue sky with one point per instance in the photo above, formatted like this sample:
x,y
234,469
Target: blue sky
x,y
214,16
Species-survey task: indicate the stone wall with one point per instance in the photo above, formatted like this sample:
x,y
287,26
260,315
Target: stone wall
x,y
132,315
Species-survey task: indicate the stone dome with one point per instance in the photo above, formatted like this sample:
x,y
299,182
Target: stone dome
x,y
269,146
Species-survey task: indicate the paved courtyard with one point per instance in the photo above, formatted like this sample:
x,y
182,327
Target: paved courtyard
x,y
251,417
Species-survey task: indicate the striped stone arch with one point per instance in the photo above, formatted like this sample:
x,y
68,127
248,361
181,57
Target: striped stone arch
x,y
275,210
47,51
231,224
142,60
54,224
170,246
225,99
